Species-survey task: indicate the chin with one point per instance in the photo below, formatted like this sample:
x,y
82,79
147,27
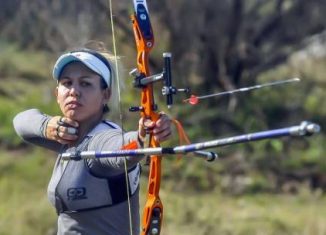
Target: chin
x,y
73,114
80,116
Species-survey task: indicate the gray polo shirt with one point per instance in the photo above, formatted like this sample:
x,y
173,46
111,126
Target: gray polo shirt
x,y
108,220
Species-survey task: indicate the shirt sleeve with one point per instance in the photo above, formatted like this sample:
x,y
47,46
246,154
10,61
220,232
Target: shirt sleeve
x,y
30,126
108,141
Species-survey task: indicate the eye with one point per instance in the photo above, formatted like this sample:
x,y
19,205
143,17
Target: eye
x,y
65,82
85,83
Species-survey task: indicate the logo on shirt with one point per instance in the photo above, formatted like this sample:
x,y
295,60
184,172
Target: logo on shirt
x,y
76,193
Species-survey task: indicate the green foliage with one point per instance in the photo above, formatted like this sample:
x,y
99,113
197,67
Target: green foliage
x,y
300,101
199,192
28,64
23,180
215,213
24,84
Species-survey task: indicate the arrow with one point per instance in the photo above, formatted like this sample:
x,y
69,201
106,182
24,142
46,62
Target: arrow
x,y
193,100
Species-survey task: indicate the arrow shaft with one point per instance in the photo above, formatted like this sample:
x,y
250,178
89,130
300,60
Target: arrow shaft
x,y
245,89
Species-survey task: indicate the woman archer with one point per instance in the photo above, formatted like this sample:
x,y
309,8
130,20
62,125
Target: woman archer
x,y
90,195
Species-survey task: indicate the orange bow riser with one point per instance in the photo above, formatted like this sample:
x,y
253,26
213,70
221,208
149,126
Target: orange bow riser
x,y
153,211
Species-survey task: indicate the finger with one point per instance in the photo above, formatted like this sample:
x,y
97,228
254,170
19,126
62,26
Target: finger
x,y
141,130
62,134
162,131
64,121
57,130
162,126
60,121
67,133
145,127
148,124
66,136
163,120
145,123
68,130
162,136
52,124
71,130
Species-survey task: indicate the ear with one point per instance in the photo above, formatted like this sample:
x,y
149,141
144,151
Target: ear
x,y
106,95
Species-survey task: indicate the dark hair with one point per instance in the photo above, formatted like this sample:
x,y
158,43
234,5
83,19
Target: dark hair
x,y
104,86
106,108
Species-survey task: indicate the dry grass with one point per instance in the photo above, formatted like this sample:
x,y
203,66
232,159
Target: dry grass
x,y
24,209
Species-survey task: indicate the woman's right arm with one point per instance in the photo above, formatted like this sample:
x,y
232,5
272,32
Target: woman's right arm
x,y
30,125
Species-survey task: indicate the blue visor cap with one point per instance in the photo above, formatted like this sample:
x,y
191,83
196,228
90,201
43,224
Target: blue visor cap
x,y
93,60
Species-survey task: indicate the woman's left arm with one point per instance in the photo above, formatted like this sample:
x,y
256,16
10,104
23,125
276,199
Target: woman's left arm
x,y
114,140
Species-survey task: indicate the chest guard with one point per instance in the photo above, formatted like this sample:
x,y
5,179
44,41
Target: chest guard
x,y
73,187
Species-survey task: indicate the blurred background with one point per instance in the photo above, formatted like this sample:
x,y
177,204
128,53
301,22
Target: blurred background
x,y
269,187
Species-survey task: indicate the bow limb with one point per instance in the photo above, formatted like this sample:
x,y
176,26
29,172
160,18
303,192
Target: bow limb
x,y
144,38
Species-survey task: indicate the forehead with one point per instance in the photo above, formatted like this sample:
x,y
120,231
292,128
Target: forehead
x,y
77,69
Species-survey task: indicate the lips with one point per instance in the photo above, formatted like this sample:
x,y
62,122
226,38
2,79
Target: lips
x,y
73,105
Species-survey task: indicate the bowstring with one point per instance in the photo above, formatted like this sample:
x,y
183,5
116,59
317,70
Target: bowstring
x,y
120,112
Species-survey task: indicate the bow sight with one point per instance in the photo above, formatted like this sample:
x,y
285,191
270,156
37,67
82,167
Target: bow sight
x,y
168,90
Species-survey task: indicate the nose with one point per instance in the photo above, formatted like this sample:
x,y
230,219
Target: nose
x,y
74,91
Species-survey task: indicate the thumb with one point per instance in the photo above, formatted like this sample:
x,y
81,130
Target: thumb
x,y
141,128
144,125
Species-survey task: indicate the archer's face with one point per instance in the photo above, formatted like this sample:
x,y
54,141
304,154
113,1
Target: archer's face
x,y
79,93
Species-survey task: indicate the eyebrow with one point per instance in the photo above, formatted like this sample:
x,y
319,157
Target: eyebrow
x,y
82,77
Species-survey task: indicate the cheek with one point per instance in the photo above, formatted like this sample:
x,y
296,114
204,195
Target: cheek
x,y
96,97
96,102
62,93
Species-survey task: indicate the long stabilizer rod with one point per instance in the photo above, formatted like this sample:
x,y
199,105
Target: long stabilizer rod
x,y
304,129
